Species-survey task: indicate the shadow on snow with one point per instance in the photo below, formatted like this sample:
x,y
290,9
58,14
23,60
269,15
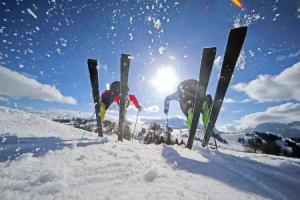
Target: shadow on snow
x,y
240,173
12,146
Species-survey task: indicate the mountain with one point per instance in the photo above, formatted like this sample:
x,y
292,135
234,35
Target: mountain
x,y
295,125
285,130
62,114
173,122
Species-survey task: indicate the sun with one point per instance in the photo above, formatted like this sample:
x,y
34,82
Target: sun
x,y
165,80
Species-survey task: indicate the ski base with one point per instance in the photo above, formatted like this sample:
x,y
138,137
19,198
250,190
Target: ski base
x,y
234,45
208,57
93,71
125,63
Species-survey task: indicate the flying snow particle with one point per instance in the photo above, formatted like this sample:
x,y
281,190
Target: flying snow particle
x,y
251,53
58,50
241,60
246,20
32,13
130,36
21,66
157,24
35,7
161,50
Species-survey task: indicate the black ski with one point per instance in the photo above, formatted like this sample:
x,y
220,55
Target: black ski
x,y
92,65
125,62
208,57
234,45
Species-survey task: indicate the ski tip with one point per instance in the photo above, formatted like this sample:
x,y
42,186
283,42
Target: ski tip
x,y
92,61
210,49
125,55
240,29
238,34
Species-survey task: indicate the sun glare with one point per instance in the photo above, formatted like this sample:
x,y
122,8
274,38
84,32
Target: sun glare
x,y
165,80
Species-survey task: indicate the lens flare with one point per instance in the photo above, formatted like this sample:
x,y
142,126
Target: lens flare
x,y
237,3
165,80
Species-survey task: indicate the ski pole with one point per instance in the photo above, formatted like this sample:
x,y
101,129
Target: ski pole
x,y
167,121
215,140
137,117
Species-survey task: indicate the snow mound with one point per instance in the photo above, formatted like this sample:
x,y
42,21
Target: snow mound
x,y
41,159
17,122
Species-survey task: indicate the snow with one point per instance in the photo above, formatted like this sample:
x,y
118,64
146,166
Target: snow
x,y
30,12
42,159
161,50
241,63
247,20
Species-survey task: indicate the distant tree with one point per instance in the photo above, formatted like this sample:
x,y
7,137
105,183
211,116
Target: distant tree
x,y
157,130
270,147
127,132
253,143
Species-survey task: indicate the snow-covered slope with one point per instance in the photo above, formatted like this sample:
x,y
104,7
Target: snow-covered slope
x,y
173,122
295,125
23,124
69,167
63,114
285,130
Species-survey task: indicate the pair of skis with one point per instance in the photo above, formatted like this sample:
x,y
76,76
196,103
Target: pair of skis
x,y
234,45
93,71
92,65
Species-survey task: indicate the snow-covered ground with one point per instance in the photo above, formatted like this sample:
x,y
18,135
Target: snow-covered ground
x,y
41,159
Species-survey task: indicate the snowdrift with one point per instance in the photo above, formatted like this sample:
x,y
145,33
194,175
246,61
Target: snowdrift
x,y
41,159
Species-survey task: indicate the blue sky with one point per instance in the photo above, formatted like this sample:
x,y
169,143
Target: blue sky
x,y
50,42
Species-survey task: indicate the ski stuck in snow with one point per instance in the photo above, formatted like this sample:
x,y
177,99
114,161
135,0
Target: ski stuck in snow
x,y
235,42
208,57
234,45
124,71
92,65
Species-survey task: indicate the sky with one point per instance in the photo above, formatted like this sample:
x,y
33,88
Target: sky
x,y
45,46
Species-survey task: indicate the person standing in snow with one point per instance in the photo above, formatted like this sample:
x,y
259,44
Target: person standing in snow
x,y
112,95
185,95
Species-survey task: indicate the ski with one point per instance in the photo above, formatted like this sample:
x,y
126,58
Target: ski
x,y
234,45
125,62
92,65
208,57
